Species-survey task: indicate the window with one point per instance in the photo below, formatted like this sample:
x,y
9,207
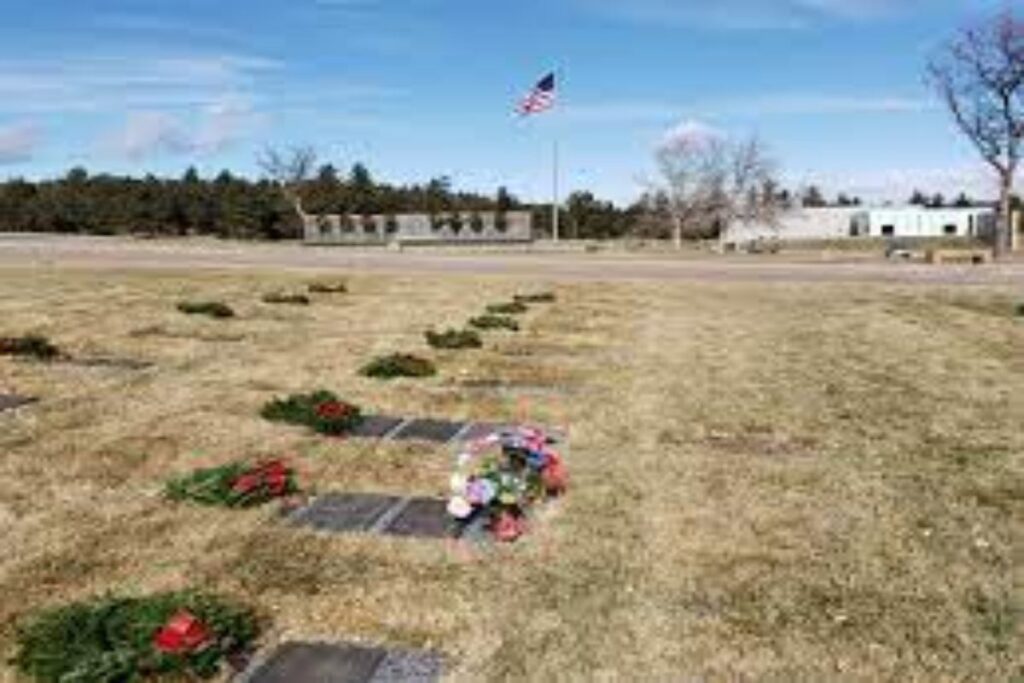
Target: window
x,y
888,230
949,229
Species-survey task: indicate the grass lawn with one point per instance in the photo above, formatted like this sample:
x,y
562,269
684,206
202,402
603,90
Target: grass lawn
x,y
782,482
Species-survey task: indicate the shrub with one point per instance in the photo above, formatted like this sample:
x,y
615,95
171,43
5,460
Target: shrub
x,y
476,223
328,288
454,339
512,308
436,222
347,224
391,224
214,309
283,298
399,365
501,222
235,485
456,223
1020,310
321,411
494,322
32,345
539,298
119,639
369,224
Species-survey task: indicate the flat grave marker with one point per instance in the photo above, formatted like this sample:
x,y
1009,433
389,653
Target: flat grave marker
x,y
344,512
112,362
478,430
422,518
296,662
376,426
13,401
439,431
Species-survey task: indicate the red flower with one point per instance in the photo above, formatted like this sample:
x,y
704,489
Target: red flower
x,y
333,410
246,483
555,476
277,482
507,527
183,633
272,474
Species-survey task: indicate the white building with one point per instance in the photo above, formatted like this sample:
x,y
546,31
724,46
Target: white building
x,y
922,222
838,223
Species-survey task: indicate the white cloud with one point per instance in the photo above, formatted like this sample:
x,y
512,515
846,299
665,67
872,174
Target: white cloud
x,y
749,14
690,133
752,106
148,133
76,83
225,123
153,133
18,142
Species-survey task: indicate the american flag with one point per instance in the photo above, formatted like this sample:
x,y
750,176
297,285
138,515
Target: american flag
x,y
541,98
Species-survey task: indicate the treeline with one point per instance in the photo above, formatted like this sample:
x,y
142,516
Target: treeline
x,y
226,206
232,206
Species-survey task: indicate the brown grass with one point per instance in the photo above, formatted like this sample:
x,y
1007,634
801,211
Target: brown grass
x,y
770,482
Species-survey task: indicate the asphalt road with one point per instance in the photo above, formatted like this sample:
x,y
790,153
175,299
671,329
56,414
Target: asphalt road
x,y
63,251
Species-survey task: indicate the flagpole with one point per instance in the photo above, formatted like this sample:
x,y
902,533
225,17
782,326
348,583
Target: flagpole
x,y
554,194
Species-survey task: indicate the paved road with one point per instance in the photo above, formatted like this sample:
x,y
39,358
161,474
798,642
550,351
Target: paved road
x,y
106,252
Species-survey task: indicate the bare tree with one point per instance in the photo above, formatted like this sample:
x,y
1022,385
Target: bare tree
x,y
289,169
980,77
708,182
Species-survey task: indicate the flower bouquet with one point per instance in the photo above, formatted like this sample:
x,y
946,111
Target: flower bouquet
x,y
322,411
501,475
236,485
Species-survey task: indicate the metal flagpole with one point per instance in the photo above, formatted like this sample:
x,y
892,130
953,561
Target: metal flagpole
x,y
554,202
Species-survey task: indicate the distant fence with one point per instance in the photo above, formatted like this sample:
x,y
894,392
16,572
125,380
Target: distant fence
x,y
454,228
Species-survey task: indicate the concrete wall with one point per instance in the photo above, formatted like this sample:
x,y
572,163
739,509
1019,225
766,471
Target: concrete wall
x,y
1017,237
798,224
416,227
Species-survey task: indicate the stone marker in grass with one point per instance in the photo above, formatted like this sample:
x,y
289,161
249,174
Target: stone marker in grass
x,y
538,298
378,514
494,322
376,426
439,431
295,662
13,401
286,298
112,362
422,518
328,288
344,512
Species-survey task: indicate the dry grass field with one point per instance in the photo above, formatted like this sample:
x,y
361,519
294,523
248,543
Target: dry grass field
x,y
770,482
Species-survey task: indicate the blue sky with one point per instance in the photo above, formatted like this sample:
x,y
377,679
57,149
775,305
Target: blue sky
x,y
417,88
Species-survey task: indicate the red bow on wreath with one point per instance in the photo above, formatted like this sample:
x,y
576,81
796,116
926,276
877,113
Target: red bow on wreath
x,y
183,633
332,410
273,475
